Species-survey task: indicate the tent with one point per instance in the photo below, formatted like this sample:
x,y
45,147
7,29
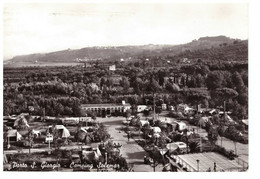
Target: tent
x,y
202,121
14,135
37,133
245,122
143,122
5,159
16,122
180,125
156,130
229,118
65,131
84,129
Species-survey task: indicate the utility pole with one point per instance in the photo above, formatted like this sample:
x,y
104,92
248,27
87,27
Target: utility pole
x,y
224,111
43,114
153,106
198,165
200,139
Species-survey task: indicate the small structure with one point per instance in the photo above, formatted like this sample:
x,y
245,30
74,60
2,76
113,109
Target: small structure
x,y
202,121
184,108
180,125
143,122
14,135
156,130
181,146
141,108
245,122
85,119
164,106
70,120
171,108
112,67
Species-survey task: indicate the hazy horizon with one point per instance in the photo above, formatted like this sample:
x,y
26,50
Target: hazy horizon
x,y
43,28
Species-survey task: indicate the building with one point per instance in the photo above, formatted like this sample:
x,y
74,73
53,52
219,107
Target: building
x,y
112,67
107,109
141,108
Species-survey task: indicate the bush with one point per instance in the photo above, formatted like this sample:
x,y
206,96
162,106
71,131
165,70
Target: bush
x,y
221,150
243,140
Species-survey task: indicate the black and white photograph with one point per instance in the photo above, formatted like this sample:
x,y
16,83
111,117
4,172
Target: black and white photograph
x,y
125,87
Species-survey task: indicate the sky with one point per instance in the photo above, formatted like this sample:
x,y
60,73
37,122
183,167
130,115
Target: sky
x,y
38,28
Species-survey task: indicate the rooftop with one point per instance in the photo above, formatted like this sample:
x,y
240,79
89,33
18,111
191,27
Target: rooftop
x,y
106,105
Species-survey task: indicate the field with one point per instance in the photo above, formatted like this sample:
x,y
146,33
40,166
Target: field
x,y
40,64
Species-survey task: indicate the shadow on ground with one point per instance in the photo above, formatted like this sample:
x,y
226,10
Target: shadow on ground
x,y
111,122
136,155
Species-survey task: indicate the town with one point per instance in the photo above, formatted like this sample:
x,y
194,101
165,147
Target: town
x,y
182,113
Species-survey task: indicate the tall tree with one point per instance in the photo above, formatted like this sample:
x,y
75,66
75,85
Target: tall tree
x,y
125,84
214,80
237,81
233,134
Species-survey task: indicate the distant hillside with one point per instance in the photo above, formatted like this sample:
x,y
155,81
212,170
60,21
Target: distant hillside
x,y
236,51
114,53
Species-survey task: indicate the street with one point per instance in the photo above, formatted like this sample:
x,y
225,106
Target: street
x,y
133,153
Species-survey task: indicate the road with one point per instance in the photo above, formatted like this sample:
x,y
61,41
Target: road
x,y
133,153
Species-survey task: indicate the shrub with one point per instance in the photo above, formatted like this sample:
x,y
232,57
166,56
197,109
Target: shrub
x,y
221,150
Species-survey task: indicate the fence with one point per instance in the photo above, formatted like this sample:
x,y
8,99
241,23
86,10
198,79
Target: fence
x,y
242,163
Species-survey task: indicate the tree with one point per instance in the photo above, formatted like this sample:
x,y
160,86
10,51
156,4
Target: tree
x,y
154,86
125,84
243,97
173,88
5,137
146,129
237,81
101,134
146,113
213,135
30,136
221,130
208,126
128,113
194,146
232,133
223,94
214,80
158,111
55,134
162,140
